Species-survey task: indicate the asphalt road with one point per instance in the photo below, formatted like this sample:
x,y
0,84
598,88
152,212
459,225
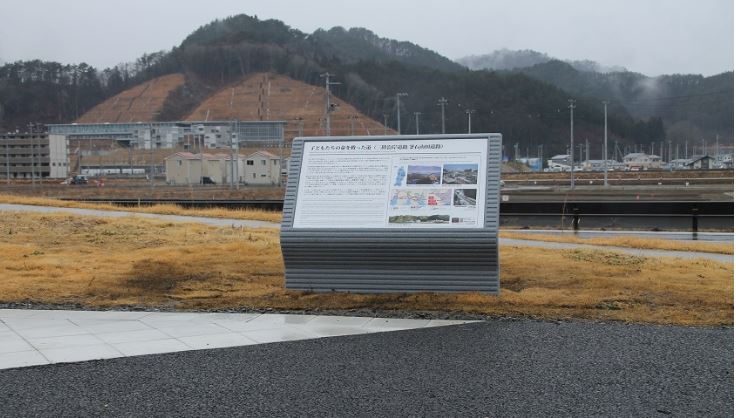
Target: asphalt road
x,y
496,368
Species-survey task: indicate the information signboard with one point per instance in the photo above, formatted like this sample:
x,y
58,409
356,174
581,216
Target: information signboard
x,y
415,183
402,213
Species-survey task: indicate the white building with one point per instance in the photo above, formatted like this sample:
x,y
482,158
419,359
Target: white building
x,y
701,162
559,162
184,168
599,165
262,168
636,161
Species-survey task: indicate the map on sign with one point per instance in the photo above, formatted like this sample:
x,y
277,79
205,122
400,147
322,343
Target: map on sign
x,y
413,183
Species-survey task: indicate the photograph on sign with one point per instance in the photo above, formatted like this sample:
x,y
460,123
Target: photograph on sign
x,y
406,183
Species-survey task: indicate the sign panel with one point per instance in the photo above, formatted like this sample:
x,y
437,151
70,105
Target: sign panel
x,y
403,183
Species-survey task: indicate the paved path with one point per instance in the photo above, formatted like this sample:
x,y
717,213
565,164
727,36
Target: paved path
x,y
34,337
499,368
724,258
261,224
667,235
121,214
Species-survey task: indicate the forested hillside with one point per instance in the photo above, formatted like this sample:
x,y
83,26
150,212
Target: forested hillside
x,y
690,105
371,69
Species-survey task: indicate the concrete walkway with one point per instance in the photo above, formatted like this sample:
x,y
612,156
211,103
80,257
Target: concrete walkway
x,y
724,258
37,337
8,207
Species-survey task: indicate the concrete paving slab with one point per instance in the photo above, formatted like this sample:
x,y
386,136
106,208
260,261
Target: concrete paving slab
x,y
29,337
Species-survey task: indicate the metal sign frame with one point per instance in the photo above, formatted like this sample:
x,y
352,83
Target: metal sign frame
x,y
396,260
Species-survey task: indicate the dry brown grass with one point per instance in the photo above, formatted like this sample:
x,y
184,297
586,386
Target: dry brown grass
x,y
165,209
630,242
99,262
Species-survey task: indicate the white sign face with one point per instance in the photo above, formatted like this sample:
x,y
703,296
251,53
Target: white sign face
x,y
412,183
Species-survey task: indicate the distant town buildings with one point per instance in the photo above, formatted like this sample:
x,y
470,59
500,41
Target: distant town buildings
x,y
636,161
37,155
259,169
187,135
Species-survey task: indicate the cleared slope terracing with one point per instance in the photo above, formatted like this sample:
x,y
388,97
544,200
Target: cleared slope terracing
x,y
137,104
265,96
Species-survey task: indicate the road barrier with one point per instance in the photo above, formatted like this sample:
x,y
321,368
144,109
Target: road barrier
x,y
649,215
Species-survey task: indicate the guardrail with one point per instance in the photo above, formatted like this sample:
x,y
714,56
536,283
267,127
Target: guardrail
x,y
649,215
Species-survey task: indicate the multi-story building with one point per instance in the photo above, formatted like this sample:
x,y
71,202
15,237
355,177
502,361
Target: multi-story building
x,y
191,135
37,155
262,168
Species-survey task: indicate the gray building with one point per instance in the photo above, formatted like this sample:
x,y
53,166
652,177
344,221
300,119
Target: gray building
x,y
189,135
37,155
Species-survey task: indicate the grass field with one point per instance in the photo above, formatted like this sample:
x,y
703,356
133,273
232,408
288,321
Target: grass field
x,y
630,242
100,262
246,214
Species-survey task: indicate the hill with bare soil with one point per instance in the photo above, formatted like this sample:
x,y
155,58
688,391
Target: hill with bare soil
x,y
137,104
268,96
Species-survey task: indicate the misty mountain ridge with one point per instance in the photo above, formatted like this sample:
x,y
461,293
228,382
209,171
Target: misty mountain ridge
x,y
505,59
526,105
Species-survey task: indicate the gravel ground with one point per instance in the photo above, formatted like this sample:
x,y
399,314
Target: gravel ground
x,y
496,368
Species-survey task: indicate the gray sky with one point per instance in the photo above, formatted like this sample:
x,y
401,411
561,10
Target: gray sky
x,y
649,36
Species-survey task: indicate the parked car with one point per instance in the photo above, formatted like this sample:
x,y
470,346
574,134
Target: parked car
x,y
79,180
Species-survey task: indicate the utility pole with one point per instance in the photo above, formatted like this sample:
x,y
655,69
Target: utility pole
x,y
469,112
398,111
300,121
571,105
33,155
442,102
385,124
580,152
605,143
416,120
716,156
150,146
352,124
704,152
7,162
669,151
329,107
237,154
686,149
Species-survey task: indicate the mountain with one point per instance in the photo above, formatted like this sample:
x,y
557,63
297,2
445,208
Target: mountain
x,y
265,96
141,103
691,105
505,59
227,53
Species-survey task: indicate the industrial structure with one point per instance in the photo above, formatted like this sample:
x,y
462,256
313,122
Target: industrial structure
x,y
34,155
188,135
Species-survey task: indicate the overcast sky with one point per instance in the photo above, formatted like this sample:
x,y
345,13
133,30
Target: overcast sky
x,y
649,36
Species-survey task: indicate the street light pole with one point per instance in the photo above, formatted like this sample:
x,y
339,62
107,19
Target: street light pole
x,y
329,107
442,102
469,112
572,144
605,143
398,111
